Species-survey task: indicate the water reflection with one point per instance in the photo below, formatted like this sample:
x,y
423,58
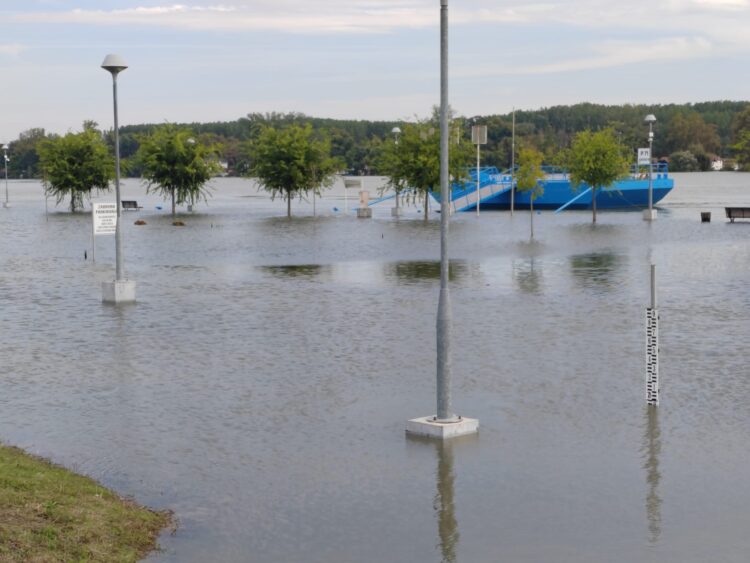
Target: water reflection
x,y
297,270
651,451
528,275
597,269
416,271
444,504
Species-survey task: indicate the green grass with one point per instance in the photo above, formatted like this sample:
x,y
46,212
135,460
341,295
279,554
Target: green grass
x,y
48,513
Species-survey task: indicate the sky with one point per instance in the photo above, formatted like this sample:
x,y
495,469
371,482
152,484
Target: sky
x,y
218,60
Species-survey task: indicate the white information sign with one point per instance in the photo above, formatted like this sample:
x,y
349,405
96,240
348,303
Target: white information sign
x,y
105,218
644,157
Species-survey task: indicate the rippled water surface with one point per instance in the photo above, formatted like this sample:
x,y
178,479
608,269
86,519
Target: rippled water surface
x,y
259,387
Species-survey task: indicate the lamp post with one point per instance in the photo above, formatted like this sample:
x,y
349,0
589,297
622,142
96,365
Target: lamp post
x,y
445,424
121,290
6,159
478,137
513,164
650,213
396,211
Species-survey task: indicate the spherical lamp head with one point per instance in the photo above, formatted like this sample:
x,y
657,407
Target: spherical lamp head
x,y
396,130
114,64
650,118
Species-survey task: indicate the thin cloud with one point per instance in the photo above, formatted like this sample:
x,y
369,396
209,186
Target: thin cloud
x,y
12,49
611,54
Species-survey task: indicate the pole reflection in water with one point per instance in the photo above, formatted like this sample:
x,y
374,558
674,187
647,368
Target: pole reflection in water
x,y
651,451
444,504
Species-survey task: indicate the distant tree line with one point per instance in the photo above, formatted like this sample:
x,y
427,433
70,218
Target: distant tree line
x,y
691,136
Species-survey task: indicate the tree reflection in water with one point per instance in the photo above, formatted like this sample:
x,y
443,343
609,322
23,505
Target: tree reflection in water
x,y
597,269
528,275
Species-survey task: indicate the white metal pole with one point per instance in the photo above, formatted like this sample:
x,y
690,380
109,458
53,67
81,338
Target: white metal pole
x,y
445,315
513,163
5,157
119,268
650,167
478,180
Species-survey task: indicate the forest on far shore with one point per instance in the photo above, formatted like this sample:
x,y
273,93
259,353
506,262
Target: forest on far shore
x,y
691,136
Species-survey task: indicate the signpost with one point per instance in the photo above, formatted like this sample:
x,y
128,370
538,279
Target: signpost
x,y
644,157
104,222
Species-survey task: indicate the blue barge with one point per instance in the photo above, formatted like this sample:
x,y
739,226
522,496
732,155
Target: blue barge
x,y
495,186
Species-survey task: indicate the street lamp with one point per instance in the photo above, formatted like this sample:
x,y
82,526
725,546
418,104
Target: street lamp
x,y
445,424
6,159
121,290
650,213
478,137
396,211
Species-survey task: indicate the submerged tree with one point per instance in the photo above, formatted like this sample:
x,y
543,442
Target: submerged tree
x,y
529,176
414,163
292,161
176,165
596,159
75,164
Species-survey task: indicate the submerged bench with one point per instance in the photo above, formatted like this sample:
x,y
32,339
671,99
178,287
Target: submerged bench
x,y
132,205
737,213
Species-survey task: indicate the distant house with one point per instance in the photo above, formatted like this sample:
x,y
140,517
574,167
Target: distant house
x,y
717,163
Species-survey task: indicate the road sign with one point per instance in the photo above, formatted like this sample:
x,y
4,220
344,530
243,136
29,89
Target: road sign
x,y
644,157
105,218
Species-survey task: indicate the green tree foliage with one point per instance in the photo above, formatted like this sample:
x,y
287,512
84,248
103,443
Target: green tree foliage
x,y
529,176
741,146
683,161
292,161
689,130
24,157
75,164
176,165
414,162
596,159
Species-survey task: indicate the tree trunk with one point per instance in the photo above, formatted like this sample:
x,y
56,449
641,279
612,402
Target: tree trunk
x,y
532,216
173,208
426,205
289,205
593,204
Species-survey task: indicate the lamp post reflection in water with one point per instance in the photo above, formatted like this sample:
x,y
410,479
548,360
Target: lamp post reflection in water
x,y
651,451
444,504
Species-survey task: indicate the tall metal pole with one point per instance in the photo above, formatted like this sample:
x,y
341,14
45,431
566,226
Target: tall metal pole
x,y
444,316
478,180
5,158
513,163
120,273
650,167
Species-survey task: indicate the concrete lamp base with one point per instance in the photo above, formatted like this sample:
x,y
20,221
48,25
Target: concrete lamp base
x,y
364,213
428,426
395,212
6,205
118,291
649,214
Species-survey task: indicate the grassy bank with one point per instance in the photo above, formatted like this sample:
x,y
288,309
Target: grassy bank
x,y
48,513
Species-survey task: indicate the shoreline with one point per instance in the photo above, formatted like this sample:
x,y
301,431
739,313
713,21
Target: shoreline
x,y
48,512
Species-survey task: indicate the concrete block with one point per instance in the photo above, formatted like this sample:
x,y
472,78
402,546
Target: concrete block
x,y
118,291
427,426
364,213
396,211
649,214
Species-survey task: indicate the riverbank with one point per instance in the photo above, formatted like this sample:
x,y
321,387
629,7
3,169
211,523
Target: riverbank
x,y
48,513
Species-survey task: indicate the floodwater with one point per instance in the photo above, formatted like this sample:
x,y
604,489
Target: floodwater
x,y
259,387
